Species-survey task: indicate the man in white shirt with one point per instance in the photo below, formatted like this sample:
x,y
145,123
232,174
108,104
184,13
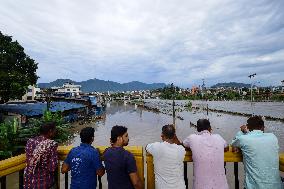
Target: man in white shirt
x,y
168,160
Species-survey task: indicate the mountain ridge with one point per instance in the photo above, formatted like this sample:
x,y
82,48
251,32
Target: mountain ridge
x,y
231,84
99,85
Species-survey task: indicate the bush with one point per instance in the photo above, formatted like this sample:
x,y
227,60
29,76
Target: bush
x,y
13,138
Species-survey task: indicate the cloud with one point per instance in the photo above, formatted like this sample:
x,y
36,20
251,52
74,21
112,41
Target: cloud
x,y
150,41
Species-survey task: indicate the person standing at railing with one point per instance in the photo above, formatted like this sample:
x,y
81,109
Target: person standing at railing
x,y
260,155
42,159
84,162
208,157
168,160
119,163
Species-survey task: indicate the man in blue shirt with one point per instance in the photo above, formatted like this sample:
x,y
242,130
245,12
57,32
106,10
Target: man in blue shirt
x,y
260,155
120,164
84,162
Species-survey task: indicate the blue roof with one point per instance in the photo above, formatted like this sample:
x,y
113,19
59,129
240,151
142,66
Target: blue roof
x,y
35,109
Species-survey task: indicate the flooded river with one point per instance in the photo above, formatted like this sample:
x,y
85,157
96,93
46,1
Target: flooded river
x,y
145,126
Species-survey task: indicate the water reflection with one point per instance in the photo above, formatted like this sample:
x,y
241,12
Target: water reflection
x,y
145,127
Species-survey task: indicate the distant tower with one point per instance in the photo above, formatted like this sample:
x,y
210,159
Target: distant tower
x,y
203,88
282,86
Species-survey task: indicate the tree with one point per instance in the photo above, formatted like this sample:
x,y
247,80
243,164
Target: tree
x,y
17,70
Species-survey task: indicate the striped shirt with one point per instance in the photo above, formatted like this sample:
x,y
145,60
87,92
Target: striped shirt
x,y
41,174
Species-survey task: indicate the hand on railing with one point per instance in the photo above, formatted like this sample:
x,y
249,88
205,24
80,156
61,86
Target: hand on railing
x,y
176,140
236,149
244,129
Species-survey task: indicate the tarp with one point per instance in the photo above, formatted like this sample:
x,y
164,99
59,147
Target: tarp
x,y
36,109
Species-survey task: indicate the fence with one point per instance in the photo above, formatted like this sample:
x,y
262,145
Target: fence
x,y
17,164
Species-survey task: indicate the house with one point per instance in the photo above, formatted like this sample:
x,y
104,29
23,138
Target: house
x,y
68,89
31,93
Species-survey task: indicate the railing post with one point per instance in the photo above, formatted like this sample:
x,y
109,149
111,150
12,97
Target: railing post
x,y
57,177
185,174
236,173
100,182
150,172
21,179
3,182
66,180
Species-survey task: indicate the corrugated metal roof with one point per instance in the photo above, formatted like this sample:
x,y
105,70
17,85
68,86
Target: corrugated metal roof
x,y
35,109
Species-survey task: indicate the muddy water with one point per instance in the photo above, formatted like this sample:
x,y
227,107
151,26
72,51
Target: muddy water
x,y
145,127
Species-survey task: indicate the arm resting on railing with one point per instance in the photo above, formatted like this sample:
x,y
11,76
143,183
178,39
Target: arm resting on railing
x,y
135,180
65,168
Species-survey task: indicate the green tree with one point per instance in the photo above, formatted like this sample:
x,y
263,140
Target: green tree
x,y
17,70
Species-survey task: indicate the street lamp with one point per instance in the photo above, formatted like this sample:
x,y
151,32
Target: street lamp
x,y
282,86
173,97
251,76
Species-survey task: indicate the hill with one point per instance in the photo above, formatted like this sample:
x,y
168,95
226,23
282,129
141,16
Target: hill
x,y
98,85
231,84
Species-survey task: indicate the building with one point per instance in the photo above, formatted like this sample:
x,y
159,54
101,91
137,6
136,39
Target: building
x,y
31,94
194,90
68,89
282,86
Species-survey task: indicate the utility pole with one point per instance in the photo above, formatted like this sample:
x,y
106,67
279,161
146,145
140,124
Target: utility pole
x,y
47,98
251,76
282,86
203,94
173,97
203,87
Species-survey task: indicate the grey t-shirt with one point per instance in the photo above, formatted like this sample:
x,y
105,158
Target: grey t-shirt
x,y
119,163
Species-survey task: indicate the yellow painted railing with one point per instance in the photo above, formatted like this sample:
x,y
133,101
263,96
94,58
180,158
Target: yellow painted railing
x,y
18,163
228,157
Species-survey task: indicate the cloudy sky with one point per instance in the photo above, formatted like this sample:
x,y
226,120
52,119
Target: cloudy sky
x,y
179,41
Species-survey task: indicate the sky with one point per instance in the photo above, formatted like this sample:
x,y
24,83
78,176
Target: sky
x,y
168,41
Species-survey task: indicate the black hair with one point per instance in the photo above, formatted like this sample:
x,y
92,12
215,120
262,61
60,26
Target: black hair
x,y
168,131
203,124
46,127
117,131
255,122
87,135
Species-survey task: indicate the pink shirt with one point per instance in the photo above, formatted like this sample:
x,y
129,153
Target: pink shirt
x,y
208,160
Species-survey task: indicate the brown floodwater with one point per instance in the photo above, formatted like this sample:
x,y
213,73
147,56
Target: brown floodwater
x,y
145,127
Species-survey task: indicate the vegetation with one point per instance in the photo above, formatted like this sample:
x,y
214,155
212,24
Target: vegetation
x,y
260,94
277,97
14,137
170,93
17,70
8,134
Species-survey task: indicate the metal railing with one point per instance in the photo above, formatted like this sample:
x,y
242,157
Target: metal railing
x,y
18,163
228,157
